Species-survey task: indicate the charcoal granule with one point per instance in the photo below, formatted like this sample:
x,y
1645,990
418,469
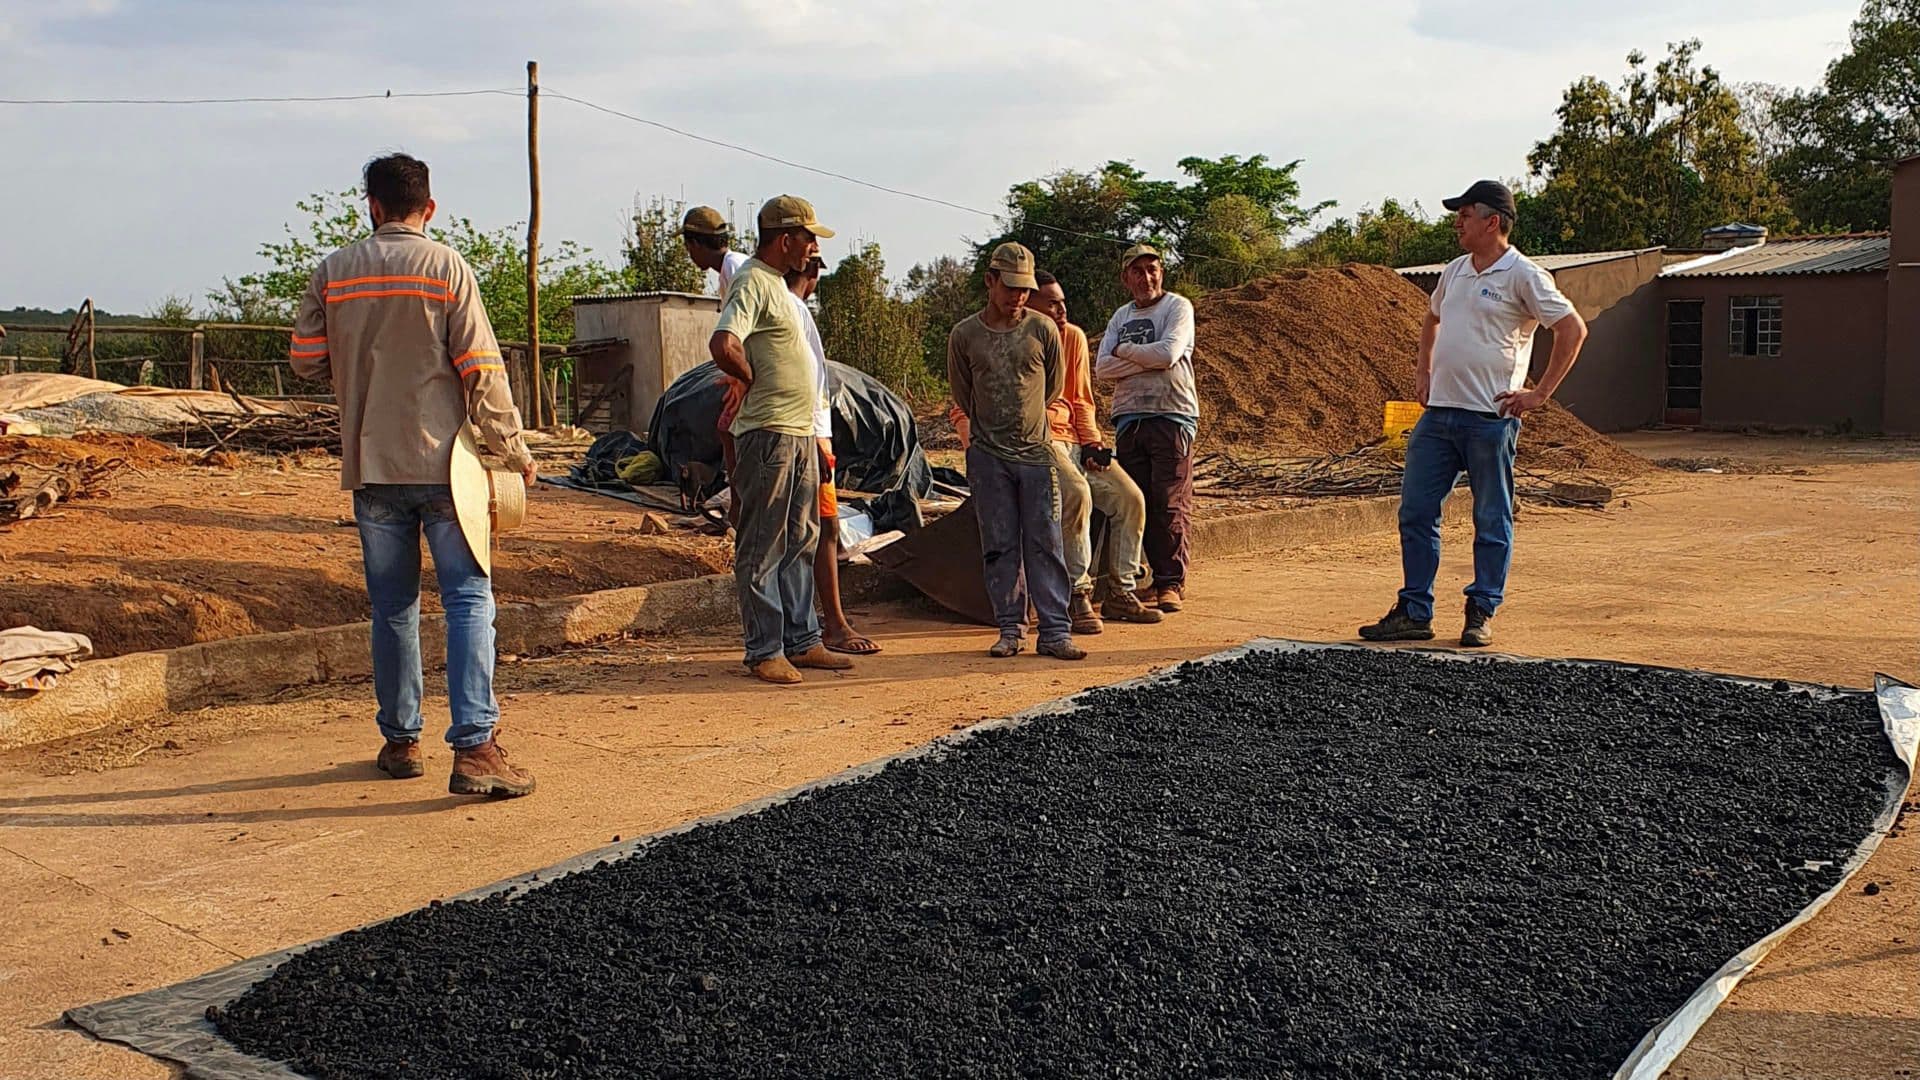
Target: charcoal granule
x,y
1290,864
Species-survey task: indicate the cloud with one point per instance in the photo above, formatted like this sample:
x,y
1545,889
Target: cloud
x,y
924,95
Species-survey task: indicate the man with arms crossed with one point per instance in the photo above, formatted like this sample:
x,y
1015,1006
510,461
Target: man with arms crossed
x,y
1147,354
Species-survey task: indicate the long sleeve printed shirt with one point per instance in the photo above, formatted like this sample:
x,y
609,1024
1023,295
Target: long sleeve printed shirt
x,y
396,324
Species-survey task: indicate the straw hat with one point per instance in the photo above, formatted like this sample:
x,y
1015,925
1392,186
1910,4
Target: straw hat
x,y
486,500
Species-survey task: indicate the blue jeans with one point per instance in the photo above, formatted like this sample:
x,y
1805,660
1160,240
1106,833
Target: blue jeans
x,y
391,518
776,486
1444,444
1020,549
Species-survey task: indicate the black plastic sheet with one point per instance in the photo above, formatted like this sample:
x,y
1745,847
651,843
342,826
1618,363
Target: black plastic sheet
x,y
875,444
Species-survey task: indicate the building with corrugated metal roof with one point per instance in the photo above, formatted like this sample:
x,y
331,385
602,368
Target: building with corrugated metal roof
x,y
1790,332
1749,331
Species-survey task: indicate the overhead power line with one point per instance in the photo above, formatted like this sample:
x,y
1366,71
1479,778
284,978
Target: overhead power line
x,y
623,115
831,174
259,100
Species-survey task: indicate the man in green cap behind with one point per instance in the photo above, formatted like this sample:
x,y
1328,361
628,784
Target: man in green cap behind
x,y
705,233
1004,364
761,342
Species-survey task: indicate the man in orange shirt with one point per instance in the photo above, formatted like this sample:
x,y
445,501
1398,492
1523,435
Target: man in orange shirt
x,y
1087,480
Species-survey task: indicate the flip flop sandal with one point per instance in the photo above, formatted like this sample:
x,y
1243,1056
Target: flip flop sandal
x,y
853,646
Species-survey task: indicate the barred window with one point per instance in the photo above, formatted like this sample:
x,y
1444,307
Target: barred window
x,y
1754,326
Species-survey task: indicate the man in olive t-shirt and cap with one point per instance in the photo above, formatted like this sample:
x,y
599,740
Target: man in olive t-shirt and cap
x,y
1004,365
760,341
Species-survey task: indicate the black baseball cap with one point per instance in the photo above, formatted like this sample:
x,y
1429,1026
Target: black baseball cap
x,y
1489,193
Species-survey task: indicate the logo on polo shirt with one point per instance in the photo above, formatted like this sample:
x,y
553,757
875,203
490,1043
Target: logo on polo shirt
x,y
1488,292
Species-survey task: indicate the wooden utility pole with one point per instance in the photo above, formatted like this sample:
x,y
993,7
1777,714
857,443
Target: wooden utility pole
x,y
533,241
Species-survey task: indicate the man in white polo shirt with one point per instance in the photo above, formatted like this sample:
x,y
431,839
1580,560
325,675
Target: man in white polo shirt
x,y
1471,375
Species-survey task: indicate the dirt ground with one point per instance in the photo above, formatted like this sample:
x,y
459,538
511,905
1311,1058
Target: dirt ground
x,y
179,553
141,856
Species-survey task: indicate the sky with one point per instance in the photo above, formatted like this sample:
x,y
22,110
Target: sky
x,y
1412,99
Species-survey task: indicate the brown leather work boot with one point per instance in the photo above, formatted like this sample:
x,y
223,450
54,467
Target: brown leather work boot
x,y
1126,607
1170,598
1085,619
818,657
484,770
400,759
775,670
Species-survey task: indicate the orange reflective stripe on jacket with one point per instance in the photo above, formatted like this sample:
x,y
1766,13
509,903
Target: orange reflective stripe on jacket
x,y
475,360
445,298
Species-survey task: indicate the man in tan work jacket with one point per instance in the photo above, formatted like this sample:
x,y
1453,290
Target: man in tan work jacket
x,y
395,323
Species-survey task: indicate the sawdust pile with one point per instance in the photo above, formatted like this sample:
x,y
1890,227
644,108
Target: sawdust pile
x,y
136,450
1305,362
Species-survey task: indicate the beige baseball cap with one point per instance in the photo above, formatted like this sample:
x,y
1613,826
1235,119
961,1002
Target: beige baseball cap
x,y
1014,263
1136,253
704,221
791,212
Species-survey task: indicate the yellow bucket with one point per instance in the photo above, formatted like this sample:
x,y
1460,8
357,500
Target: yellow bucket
x,y
1400,418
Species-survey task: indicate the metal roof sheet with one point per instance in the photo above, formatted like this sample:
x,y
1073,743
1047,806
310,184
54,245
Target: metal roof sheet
x,y
1798,255
1548,263
613,298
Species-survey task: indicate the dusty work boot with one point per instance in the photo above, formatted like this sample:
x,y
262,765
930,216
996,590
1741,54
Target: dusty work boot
x,y
1085,619
1124,606
1168,598
776,670
1008,645
484,770
400,759
819,657
1397,625
1063,649
1479,629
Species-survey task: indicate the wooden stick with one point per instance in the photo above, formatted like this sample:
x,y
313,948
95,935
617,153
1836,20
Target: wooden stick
x,y
533,236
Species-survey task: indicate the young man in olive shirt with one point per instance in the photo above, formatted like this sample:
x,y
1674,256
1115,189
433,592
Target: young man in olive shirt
x,y
1004,365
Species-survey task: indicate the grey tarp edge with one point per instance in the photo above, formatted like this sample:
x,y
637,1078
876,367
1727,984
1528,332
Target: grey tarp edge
x,y
170,1022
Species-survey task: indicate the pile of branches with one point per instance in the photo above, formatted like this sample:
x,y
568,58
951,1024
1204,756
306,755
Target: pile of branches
x,y
264,432
83,479
1369,471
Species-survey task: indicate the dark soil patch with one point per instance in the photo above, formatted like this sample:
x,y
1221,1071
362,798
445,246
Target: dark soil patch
x,y
1730,466
181,555
1333,864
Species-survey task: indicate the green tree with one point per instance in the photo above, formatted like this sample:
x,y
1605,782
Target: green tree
x,y
656,256
943,292
1396,234
1230,224
499,261
867,324
1654,161
1077,224
1225,223
498,257
1844,136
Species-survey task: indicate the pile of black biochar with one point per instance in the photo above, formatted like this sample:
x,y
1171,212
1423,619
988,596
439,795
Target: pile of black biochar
x,y
1325,864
